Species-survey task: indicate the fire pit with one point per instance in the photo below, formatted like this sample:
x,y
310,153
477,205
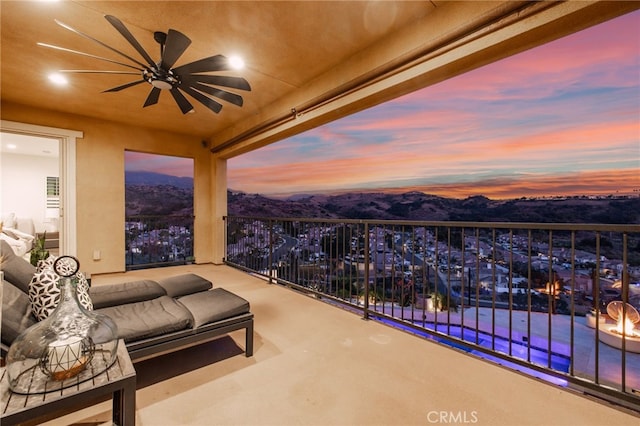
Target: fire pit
x,y
626,318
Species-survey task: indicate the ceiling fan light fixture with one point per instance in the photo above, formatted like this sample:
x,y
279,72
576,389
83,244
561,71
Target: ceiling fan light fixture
x,y
236,62
160,84
159,78
58,79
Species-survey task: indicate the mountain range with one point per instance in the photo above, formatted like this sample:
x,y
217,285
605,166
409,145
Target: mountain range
x,y
420,206
150,193
153,179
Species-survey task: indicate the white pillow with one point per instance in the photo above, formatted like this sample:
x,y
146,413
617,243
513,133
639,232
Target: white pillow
x,y
9,220
17,234
19,247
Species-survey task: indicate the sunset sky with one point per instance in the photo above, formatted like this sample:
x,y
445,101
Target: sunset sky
x,y
561,119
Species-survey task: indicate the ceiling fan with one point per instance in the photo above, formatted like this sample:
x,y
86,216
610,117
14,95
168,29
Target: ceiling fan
x,y
188,78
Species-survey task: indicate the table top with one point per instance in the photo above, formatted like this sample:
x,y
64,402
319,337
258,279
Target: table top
x,y
11,402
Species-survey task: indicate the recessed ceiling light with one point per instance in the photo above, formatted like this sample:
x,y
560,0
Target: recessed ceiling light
x,y
58,79
11,146
236,62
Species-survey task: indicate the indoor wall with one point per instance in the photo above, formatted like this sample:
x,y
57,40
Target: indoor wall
x,y
23,192
100,184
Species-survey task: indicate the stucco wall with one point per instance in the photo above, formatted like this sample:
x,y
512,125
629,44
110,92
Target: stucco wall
x,y
100,183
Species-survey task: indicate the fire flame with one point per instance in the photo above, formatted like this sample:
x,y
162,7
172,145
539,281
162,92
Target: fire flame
x,y
626,317
625,326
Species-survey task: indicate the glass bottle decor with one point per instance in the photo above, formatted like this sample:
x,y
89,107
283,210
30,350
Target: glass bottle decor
x,y
68,347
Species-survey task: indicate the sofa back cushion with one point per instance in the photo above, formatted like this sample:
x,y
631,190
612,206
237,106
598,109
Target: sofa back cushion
x,y
16,270
16,313
181,285
107,295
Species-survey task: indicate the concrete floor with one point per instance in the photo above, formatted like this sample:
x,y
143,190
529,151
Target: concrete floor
x,y
314,364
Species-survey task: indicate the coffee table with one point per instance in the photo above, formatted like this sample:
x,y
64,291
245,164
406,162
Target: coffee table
x,y
118,381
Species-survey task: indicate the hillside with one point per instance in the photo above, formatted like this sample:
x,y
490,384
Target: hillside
x,y
419,206
155,179
156,194
158,200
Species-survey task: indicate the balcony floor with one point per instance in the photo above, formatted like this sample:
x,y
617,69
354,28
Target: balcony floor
x,y
314,364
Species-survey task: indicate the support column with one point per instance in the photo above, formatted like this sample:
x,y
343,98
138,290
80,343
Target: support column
x,y
218,206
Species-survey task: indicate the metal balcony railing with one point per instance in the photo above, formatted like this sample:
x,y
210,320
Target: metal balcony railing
x,y
533,297
153,241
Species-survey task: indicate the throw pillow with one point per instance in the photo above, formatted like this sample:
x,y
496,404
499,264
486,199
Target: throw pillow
x,y
44,293
46,263
10,233
9,220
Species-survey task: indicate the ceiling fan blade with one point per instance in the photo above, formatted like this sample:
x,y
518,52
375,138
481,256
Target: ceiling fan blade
x,y
218,93
118,25
63,25
175,46
99,72
221,80
183,103
124,86
64,49
204,100
212,63
153,97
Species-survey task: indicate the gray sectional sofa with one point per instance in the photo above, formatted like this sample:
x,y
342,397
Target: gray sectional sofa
x,y
153,317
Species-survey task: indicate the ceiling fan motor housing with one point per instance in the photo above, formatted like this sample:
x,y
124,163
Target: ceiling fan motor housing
x,y
159,78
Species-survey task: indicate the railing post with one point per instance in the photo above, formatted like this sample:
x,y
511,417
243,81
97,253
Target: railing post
x,y
366,271
270,266
225,244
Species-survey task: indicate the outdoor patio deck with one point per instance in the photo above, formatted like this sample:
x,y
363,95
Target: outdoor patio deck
x,y
314,364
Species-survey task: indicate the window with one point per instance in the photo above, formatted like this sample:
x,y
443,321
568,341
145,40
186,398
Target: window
x,y
53,192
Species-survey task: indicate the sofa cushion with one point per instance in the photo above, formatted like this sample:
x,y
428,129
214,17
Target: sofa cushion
x,y
149,318
104,296
184,284
214,305
16,270
16,313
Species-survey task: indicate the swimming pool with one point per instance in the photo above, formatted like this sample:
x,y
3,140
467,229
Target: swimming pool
x,y
521,350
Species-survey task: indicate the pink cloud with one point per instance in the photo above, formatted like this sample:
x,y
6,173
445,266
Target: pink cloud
x,y
173,166
570,106
602,183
